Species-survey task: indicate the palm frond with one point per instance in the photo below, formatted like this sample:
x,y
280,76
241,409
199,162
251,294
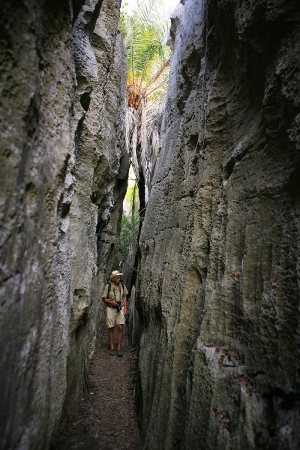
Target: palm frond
x,y
148,55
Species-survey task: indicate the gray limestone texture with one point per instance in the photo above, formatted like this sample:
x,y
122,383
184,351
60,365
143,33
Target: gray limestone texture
x,y
63,176
218,283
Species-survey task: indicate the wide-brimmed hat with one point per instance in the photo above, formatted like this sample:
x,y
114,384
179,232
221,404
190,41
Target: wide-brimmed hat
x,y
115,273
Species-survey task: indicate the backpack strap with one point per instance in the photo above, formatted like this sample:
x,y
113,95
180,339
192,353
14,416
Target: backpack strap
x,y
122,289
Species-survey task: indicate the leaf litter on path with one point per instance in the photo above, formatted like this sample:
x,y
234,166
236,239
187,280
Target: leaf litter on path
x,y
107,419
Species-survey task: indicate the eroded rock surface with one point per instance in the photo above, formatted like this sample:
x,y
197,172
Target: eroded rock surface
x,y
63,176
218,286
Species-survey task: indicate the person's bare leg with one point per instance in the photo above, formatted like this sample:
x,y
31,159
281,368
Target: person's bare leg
x,y
111,338
120,336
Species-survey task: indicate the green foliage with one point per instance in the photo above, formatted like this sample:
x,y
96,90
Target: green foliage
x,y
130,223
128,235
132,195
145,32
123,18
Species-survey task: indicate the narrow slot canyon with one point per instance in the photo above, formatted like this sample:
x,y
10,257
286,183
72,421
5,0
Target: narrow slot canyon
x,y
208,246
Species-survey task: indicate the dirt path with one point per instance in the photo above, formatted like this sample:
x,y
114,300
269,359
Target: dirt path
x,y
107,419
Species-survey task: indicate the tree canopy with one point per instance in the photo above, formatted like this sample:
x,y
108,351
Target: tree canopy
x,y
145,33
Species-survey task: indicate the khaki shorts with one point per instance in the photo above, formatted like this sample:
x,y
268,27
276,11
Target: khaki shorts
x,y
113,317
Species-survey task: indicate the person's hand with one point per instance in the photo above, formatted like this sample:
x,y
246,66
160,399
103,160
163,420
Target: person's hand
x,y
125,311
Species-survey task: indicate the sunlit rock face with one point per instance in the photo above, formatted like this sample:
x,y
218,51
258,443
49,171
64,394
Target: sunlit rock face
x,y
218,284
63,176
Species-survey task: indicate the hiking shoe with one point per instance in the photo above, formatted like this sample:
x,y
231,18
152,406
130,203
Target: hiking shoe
x,y
112,352
119,353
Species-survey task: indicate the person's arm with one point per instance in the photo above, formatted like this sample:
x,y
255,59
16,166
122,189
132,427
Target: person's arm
x,y
125,305
107,300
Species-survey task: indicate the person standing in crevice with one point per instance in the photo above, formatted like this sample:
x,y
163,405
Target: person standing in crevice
x,y
114,296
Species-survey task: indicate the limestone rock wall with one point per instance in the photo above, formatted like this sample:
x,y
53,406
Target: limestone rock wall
x,y
218,283
63,176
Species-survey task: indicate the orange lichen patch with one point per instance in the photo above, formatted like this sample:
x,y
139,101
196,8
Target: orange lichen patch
x,y
231,355
225,421
244,381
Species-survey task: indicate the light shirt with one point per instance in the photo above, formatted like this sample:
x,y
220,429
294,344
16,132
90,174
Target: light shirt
x,y
115,294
